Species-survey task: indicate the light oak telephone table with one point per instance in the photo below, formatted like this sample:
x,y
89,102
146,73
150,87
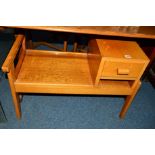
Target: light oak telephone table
x,y
110,67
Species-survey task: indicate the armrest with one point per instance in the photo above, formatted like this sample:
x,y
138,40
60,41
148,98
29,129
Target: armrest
x,y
12,54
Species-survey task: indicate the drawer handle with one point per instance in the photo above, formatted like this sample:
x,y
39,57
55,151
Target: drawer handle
x,y
123,71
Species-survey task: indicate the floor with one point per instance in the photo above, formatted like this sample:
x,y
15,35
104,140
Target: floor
x,y
2,114
75,111
84,112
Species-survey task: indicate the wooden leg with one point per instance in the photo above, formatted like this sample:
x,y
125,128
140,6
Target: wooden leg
x,y
29,40
129,100
30,44
65,46
75,47
15,96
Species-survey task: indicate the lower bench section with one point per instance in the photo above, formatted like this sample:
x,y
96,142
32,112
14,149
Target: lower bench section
x,y
63,73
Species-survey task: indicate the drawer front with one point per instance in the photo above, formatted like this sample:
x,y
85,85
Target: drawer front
x,y
121,70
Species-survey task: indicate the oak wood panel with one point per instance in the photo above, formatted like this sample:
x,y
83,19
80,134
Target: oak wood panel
x,y
12,54
110,70
94,59
46,53
104,88
143,32
55,69
121,49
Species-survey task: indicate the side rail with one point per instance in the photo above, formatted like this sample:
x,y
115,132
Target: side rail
x,y
15,57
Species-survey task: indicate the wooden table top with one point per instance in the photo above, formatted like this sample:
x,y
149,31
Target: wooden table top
x,y
124,31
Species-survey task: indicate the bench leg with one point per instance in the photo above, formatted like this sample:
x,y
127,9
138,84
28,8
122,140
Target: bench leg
x,y
15,96
129,100
16,101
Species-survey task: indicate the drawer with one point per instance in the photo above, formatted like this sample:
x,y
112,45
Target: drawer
x,y
121,70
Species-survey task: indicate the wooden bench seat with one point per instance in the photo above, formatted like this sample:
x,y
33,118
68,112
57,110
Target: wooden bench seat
x,y
61,72
40,71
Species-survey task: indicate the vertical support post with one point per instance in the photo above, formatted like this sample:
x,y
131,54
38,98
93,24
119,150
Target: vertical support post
x,y
129,100
29,42
75,47
15,96
65,46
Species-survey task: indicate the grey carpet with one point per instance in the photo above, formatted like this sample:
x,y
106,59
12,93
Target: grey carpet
x,y
2,115
67,111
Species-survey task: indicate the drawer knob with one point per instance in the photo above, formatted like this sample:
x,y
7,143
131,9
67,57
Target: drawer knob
x,y
123,71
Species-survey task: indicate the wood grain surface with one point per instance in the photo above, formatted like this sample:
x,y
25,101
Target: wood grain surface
x,y
124,31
